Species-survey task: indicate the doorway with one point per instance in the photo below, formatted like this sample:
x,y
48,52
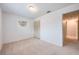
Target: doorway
x,y
37,29
70,27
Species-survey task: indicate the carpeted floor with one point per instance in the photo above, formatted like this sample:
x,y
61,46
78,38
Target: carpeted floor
x,y
38,47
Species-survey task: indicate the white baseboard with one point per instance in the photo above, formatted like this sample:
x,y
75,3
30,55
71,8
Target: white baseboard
x,y
72,37
17,40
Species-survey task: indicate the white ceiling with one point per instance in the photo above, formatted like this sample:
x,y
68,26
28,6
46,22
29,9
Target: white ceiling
x,y
22,10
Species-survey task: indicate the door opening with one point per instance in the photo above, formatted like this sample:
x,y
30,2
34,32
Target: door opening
x,y
37,29
70,27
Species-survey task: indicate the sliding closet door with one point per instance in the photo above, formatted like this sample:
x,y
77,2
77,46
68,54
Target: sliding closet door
x,y
0,31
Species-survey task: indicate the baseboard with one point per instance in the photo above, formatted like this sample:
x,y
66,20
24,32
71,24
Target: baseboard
x,y
53,42
18,40
72,37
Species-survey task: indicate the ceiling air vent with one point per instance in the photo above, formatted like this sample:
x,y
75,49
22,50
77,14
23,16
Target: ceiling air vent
x,y
48,11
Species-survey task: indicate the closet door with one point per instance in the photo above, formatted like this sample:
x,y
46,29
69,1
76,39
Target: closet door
x,y
0,31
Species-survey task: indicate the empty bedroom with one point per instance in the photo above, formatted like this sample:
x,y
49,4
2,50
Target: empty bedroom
x,y
39,28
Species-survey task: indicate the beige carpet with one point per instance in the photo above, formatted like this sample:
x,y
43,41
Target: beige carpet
x,y
38,47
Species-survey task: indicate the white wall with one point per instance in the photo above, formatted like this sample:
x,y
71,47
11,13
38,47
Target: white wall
x,y
11,30
72,29
51,25
0,29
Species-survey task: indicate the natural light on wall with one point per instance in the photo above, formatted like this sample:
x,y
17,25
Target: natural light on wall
x,y
21,23
32,7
